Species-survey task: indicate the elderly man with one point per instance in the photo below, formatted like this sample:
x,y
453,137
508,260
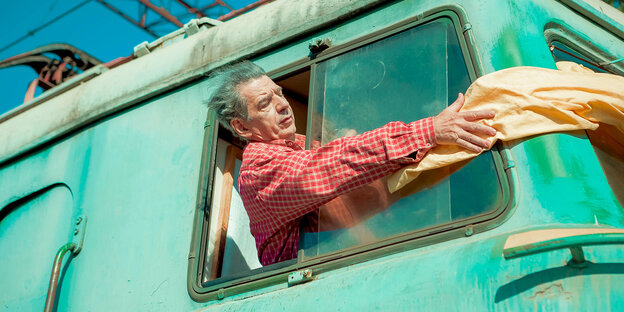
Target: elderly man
x,y
281,183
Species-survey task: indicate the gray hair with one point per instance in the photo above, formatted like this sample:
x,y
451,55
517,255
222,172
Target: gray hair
x,y
227,102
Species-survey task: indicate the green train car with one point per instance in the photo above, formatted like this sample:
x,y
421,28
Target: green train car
x,y
125,172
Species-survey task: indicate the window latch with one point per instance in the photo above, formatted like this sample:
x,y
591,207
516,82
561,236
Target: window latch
x,y
319,45
299,277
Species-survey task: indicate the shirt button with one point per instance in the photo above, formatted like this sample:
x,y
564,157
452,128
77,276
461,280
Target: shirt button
x,y
427,145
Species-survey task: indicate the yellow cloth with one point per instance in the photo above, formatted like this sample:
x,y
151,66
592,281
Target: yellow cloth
x,y
530,101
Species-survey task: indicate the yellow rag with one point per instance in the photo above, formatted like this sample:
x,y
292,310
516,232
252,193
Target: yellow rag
x,y
530,101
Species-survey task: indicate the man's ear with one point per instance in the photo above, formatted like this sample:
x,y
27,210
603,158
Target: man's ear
x,y
241,128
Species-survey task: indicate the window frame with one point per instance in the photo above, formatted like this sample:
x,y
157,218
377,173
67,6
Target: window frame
x,y
576,41
327,262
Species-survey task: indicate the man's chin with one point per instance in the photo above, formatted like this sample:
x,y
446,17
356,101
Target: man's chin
x,y
290,135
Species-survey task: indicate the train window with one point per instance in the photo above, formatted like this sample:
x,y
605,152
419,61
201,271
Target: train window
x,y
411,73
230,249
609,148
408,76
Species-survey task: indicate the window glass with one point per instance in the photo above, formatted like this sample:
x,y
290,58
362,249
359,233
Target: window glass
x,y
561,52
411,75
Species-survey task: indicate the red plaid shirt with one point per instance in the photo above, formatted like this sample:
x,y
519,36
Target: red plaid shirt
x,y
280,182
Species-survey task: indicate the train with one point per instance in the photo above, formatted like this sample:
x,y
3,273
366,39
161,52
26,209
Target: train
x,y
118,186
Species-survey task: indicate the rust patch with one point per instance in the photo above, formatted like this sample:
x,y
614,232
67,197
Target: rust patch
x,y
550,291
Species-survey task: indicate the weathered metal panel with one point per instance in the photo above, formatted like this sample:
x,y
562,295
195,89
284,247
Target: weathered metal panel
x,y
135,175
35,227
465,275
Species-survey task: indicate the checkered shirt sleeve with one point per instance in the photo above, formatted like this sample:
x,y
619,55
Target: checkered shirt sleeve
x,y
280,182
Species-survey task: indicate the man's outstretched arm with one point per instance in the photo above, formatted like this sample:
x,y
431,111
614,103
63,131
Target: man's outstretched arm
x,y
291,183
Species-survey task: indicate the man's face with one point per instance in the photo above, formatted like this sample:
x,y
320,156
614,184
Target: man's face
x,y
271,117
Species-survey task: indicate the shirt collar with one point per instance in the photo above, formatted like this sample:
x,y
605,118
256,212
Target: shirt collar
x,y
298,143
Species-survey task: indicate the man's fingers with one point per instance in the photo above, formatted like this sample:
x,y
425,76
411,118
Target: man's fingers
x,y
474,127
477,115
474,140
457,105
467,145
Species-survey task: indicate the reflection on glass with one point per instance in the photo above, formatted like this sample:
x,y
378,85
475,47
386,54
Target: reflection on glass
x,y
411,75
563,53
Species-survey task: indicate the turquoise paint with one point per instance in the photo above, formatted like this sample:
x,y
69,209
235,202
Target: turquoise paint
x,y
148,205
31,233
134,174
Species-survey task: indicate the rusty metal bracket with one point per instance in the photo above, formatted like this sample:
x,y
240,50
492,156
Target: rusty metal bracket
x,y
299,277
79,233
319,45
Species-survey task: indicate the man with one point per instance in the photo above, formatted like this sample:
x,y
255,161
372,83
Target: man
x,y
281,183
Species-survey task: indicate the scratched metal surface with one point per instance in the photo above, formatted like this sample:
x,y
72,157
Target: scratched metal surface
x,y
134,174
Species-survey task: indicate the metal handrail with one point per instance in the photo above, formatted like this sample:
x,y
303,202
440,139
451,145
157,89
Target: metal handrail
x,y
574,243
75,246
56,270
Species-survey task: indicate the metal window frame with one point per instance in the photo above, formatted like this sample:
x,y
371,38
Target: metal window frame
x,y
278,273
580,43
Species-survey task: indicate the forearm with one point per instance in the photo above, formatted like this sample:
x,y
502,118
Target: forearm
x,y
356,206
307,179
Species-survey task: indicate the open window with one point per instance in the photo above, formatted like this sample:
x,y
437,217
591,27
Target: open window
x,y
609,147
230,248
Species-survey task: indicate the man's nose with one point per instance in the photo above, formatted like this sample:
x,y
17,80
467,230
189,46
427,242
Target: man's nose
x,y
282,105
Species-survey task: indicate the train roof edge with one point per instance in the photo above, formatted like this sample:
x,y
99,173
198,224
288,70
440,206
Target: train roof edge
x,y
99,92
187,55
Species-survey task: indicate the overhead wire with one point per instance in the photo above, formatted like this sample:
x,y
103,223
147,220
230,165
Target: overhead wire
x,y
44,25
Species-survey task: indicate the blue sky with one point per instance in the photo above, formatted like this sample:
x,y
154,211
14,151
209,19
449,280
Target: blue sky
x,y
92,28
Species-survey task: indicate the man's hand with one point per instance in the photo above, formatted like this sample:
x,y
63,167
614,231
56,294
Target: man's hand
x,y
452,127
